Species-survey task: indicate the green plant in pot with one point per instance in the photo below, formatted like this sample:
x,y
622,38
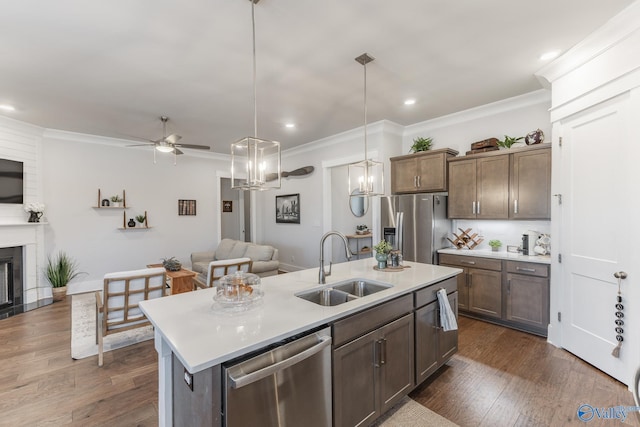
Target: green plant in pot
x,y
495,245
509,141
382,252
116,200
141,218
421,144
171,264
59,271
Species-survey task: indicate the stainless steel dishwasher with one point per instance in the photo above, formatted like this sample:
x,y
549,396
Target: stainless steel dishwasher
x,y
288,385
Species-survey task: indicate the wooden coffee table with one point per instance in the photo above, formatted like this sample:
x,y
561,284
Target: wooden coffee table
x,y
179,281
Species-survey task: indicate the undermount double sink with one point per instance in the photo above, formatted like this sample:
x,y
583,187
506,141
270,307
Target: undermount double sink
x,y
341,292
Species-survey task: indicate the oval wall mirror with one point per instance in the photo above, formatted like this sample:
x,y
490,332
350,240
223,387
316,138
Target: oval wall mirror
x,y
359,205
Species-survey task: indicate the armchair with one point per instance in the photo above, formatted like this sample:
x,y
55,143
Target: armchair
x,y
117,308
217,269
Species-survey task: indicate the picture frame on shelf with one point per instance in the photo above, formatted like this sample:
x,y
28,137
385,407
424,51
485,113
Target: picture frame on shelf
x,y
288,209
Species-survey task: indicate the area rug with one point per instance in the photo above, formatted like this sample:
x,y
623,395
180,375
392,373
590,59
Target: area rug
x,y
83,329
408,412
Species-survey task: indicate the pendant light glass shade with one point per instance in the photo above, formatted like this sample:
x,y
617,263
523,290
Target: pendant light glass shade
x,y
255,162
366,178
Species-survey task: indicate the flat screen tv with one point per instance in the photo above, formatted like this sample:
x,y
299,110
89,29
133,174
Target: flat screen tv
x,y
11,181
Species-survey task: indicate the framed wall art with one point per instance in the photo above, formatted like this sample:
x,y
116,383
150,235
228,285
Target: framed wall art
x,y
186,207
288,209
227,206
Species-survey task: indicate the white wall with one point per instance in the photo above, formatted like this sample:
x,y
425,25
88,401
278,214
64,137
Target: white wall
x,y
75,167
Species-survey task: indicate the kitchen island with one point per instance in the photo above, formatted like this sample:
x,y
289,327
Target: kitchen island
x,y
199,338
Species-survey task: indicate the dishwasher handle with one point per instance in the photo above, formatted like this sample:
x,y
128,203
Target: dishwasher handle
x,y
272,369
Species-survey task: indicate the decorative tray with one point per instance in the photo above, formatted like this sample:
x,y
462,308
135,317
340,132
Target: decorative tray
x,y
234,304
375,267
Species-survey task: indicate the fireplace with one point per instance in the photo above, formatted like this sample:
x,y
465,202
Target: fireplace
x,y
11,298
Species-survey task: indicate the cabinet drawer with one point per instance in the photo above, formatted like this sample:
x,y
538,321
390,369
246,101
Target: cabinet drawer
x,y
529,268
473,262
428,294
365,321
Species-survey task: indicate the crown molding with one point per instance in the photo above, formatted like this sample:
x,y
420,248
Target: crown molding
x,y
382,126
540,96
616,30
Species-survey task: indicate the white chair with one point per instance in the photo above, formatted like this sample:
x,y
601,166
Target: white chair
x,y
117,308
220,268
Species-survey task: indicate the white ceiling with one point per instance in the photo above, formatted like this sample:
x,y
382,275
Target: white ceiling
x,y
112,68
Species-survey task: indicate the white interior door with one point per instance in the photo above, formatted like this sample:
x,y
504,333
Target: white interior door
x,y
599,227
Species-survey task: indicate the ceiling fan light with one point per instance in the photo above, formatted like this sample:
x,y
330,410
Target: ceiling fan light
x,y
164,148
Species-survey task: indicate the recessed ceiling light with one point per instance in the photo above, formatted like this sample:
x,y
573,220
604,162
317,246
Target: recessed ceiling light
x,y
549,55
7,107
290,125
409,102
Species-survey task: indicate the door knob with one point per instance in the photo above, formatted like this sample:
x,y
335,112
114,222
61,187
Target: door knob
x,y
620,275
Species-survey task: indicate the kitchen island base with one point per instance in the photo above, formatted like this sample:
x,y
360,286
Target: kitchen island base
x,y
380,327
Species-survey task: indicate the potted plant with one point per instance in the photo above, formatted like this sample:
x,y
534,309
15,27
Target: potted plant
x,y
141,218
362,229
508,141
421,144
382,252
115,201
59,271
495,245
171,264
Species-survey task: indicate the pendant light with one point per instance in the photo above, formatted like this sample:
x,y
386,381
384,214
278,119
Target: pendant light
x,y
255,162
366,178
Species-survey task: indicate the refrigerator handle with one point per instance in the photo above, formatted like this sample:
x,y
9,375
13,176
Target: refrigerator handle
x,y
399,229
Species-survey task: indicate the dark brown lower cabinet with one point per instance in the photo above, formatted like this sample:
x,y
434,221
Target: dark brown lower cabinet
x,y
511,293
373,372
434,346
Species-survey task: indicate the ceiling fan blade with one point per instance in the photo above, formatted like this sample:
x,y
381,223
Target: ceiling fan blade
x,y
194,146
141,145
177,151
173,138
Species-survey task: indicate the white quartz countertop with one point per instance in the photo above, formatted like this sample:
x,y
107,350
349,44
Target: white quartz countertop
x,y
502,254
201,337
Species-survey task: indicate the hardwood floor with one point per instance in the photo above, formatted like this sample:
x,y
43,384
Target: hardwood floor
x,y
500,377
503,377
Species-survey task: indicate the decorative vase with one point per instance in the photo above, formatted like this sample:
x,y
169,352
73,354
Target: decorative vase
x,y
535,137
495,248
382,260
131,223
34,216
115,204
105,203
59,294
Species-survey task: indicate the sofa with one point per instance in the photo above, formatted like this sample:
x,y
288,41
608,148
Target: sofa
x,y
264,257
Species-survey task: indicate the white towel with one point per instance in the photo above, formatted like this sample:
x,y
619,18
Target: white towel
x,y
447,315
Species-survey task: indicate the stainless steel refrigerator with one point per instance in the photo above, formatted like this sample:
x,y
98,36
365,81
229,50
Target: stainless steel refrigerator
x,y
416,224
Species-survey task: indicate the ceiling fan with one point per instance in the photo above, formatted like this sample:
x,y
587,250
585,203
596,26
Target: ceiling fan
x,y
168,143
